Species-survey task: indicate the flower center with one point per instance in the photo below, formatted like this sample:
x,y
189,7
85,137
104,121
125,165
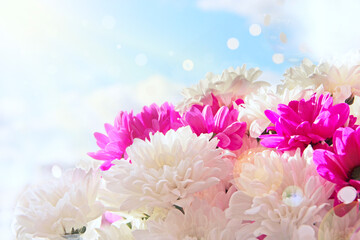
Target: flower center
x,y
355,174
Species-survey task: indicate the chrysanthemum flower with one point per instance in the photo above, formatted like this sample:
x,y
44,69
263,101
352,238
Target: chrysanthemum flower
x,y
167,169
341,80
223,124
303,123
252,110
231,85
218,195
128,127
342,165
198,220
61,208
297,204
301,76
112,232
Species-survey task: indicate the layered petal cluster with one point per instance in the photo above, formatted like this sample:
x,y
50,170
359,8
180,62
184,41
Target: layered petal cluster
x,y
254,175
302,76
255,104
167,169
302,123
122,232
341,80
223,124
291,210
199,221
231,85
342,165
60,208
334,227
128,127
218,195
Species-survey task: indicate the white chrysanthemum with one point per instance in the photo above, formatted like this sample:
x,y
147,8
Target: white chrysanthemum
x,y
252,111
333,227
114,232
340,80
218,195
199,221
231,85
137,217
255,176
167,169
66,205
301,76
290,211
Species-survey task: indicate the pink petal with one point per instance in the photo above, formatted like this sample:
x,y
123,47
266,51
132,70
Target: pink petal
x,y
224,140
272,116
101,139
101,155
345,143
106,166
288,113
271,141
304,128
209,117
328,166
196,121
220,118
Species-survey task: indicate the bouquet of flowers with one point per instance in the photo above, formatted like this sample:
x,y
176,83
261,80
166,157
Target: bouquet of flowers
x,y
237,158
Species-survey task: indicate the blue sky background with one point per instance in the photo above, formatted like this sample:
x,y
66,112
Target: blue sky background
x,y
67,67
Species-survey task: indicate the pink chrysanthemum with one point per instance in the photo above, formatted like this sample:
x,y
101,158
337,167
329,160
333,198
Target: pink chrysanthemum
x,y
223,125
306,122
128,127
342,165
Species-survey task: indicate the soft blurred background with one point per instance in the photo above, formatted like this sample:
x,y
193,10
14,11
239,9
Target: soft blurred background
x,y
69,66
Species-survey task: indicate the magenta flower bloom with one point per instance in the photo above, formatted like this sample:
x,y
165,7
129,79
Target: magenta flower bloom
x,y
223,125
155,119
342,165
306,122
128,127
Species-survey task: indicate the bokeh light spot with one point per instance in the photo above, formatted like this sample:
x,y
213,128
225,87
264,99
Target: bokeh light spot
x,y
141,59
267,19
278,58
293,196
232,43
347,194
283,37
188,65
56,171
338,225
255,29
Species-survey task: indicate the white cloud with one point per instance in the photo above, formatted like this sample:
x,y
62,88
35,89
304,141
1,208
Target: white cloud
x,y
327,28
330,27
254,9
